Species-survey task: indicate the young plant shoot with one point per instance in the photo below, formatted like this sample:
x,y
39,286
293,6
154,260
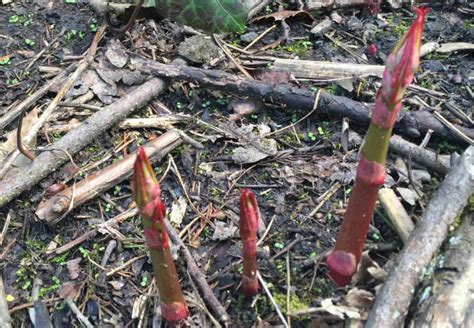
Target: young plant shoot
x,y
248,233
400,68
146,193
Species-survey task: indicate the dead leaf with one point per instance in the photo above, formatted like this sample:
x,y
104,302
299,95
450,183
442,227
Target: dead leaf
x,y
247,155
284,14
178,210
340,311
223,232
244,107
116,54
359,298
73,267
367,271
67,290
117,285
408,195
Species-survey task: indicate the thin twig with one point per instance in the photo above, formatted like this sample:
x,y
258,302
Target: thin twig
x,y
198,276
228,54
453,128
288,288
315,106
28,102
33,131
5,319
78,313
5,227
123,266
268,30
270,296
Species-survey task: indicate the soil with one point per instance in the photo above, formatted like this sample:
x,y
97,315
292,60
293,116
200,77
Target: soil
x,y
310,161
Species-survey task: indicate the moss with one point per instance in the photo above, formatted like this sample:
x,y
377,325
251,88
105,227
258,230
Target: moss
x,y
296,303
300,48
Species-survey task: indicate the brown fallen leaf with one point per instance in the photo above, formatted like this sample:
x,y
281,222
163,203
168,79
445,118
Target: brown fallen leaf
x,y
73,268
284,14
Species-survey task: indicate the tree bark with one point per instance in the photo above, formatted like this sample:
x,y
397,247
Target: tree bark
x,y
452,302
393,299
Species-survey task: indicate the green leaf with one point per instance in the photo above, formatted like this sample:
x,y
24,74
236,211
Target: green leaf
x,y
209,15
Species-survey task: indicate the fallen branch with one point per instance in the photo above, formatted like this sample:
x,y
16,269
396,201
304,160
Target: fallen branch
x,y
451,302
55,208
393,299
309,69
418,154
413,123
52,157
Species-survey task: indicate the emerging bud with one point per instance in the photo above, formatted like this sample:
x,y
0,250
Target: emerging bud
x,y
372,50
400,69
146,193
248,234
248,215
403,61
145,187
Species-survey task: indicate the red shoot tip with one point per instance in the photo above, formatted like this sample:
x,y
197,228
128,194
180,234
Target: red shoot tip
x,y
145,187
403,61
248,214
342,266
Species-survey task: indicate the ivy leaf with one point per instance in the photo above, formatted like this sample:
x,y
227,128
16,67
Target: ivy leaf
x,y
209,15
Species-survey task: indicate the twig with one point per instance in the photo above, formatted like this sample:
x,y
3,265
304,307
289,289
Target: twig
x,y
6,249
288,247
267,230
5,227
175,170
79,105
123,266
228,54
258,38
270,296
30,304
393,299
75,140
315,106
453,128
53,209
288,288
36,127
198,276
21,148
323,199
78,313
5,320
73,243
28,102
130,22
